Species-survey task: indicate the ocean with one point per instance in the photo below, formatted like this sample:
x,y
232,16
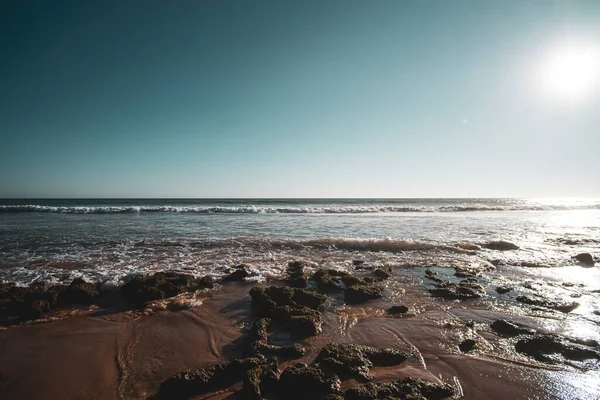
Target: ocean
x,y
109,240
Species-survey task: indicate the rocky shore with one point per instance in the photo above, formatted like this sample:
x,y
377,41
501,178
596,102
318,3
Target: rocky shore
x,y
315,333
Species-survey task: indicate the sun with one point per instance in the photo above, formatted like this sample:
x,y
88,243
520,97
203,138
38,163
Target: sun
x,y
571,72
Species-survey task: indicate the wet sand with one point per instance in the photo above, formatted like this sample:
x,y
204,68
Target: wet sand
x,y
108,355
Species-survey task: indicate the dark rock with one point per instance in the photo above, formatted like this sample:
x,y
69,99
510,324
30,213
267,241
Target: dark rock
x,y
465,290
328,280
143,289
503,289
397,310
497,262
500,245
261,381
295,308
297,277
34,309
585,259
361,293
407,388
353,361
302,382
257,342
205,282
546,348
565,307
382,273
78,292
465,272
467,345
358,262
241,272
510,329
209,379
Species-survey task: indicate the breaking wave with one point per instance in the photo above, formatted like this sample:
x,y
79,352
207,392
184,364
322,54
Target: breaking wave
x,y
260,209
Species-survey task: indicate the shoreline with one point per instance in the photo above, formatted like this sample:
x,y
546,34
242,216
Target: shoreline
x,y
118,353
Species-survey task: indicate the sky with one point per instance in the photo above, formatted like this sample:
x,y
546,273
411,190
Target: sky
x,y
223,98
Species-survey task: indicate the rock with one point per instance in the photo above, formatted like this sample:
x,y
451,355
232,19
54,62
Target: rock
x,y
295,308
329,280
143,289
357,263
503,289
565,307
353,361
465,290
361,293
430,274
205,282
407,388
302,382
382,273
261,381
545,348
467,345
257,342
397,310
585,259
296,275
78,292
209,379
510,329
500,245
241,272
465,272
34,309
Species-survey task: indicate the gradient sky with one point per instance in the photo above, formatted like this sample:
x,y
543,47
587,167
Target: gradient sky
x,y
292,99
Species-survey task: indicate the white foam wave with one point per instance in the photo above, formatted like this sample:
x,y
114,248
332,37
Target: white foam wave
x,y
261,209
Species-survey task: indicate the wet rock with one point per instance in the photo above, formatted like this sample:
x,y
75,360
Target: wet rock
x,y
500,245
78,292
295,308
503,289
465,272
257,342
382,273
303,382
143,289
353,361
361,293
465,290
357,263
565,307
240,273
34,309
205,282
397,310
261,381
510,329
407,388
209,379
429,274
328,280
585,259
547,348
297,277
467,345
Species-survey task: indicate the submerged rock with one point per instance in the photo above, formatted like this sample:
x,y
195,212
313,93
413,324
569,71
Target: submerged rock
x,y
361,293
353,361
407,388
240,273
585,259
464,290
500,245
467,345
546,348
510,329
393,310
565,307
503,289
382,273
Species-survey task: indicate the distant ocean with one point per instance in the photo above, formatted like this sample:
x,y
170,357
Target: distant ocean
x,y
107,241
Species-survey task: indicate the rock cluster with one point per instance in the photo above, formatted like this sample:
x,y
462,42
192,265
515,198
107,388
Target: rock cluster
x,y
464,290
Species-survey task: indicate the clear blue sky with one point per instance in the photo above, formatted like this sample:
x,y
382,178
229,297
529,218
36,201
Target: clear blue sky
x,y
292,99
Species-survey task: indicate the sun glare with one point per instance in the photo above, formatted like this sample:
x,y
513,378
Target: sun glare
x,y
571,72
